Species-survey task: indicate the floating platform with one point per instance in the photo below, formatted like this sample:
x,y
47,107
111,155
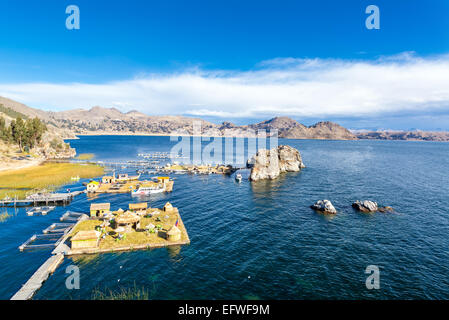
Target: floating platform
x,y
127,187
135,240
47,199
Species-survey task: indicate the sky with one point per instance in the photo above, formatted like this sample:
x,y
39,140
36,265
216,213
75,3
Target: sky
x,y
238,61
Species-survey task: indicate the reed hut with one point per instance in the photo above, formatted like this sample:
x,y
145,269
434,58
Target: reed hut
x,y
168,207
99,209
128,220
108,179
138,207
163,180
85,239
174,234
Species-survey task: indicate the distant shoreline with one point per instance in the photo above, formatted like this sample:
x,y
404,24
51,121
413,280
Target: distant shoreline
x,y
254,137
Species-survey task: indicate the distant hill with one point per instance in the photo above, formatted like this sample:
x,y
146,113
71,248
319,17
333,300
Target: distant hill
x,y
99,120
102,121
405,135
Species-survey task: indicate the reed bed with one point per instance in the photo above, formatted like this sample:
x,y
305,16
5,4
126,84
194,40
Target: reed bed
x,y
49,176
85,156
134,293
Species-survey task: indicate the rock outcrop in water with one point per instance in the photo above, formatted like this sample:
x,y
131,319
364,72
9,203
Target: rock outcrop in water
x,y
365,206
269,164
370,206
324,206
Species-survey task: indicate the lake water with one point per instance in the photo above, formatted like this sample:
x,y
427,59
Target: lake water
x,y
261,240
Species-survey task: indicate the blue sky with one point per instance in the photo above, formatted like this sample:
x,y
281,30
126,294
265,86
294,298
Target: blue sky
x,y
222,41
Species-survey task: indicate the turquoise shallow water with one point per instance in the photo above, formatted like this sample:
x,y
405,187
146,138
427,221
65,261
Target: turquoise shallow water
x,y
261,240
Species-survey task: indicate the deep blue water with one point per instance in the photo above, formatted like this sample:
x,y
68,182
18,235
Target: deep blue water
x,y
261,240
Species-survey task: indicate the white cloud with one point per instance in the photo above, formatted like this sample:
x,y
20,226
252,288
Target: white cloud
x,y
283,86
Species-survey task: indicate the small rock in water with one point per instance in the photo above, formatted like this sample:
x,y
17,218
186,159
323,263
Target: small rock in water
x,y
386,209
324,206
365,206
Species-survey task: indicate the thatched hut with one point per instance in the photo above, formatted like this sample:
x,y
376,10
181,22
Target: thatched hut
x,y
129,220
168,207
138,207
174,234
99,209
85,239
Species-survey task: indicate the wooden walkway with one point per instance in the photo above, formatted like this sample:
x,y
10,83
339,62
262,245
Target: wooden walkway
x,y
41,275
52,198
35,282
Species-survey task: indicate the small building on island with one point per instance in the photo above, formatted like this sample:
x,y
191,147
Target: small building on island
x,y
99,209
174,234
108,179
85,239
168,207
92,186
129,221
138,207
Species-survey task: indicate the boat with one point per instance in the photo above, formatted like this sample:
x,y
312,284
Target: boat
x,y
145,191
40,210
238,177
75,178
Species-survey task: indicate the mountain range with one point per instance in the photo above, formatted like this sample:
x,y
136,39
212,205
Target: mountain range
x,y
103,121
111,121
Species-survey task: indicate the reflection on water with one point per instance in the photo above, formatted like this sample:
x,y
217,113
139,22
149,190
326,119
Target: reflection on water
x,y
262,240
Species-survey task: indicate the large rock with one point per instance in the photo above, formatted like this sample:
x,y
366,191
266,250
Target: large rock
x,y
365,206
269,164
324,206
370,206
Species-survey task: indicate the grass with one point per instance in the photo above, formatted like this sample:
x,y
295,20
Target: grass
x,y
49,176
4,216
122,294
85,156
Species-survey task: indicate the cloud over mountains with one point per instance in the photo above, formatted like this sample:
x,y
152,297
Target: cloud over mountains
x,y
323,88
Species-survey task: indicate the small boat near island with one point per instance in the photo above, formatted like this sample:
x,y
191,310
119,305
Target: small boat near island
x,y
40,210
238,177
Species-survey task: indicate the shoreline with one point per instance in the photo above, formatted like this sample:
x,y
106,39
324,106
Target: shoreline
x,y
249,137
20,164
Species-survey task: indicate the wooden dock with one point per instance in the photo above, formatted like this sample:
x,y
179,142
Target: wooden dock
x,y
41,275
51,198
35,282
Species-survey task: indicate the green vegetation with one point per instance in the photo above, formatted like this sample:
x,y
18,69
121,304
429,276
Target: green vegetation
x,y
122,294
26,134
11,113
85,156
49,176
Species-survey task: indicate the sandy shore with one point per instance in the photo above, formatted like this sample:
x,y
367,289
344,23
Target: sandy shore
x,y
19,164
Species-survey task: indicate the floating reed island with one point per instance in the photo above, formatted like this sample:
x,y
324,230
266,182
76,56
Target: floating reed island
x,y
198,169
139,227
122,183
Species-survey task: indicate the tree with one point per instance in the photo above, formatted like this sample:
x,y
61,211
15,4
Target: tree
x,y
18,132
34,131
3,129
